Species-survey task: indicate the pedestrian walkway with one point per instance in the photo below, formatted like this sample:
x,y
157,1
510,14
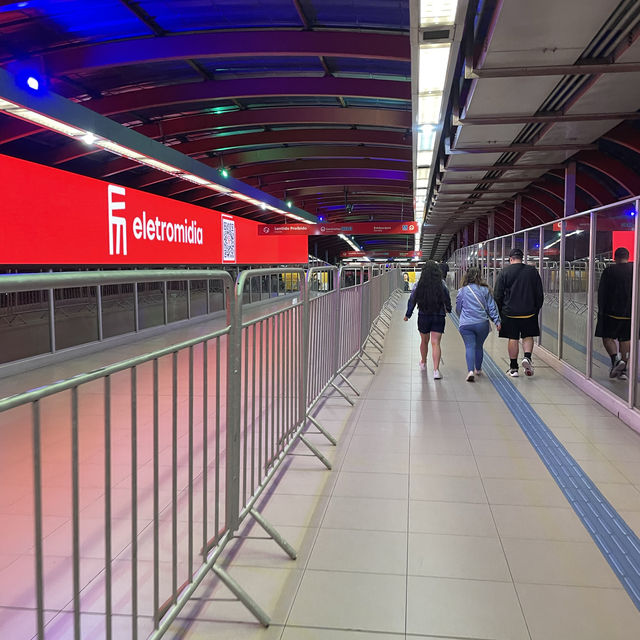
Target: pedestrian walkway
x,y
439,519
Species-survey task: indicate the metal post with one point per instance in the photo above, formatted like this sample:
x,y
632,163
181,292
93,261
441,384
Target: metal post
x,y
189,299
570,189
99,311
561,275
635,321
525,248
591,281
491,226
165,302
517,214
52,320
136,307
541,272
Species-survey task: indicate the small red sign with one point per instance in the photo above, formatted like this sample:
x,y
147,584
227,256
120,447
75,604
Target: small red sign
x,y
326,229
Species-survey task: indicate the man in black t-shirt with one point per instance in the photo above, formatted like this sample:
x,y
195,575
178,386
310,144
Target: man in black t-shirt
x,y
519,296
614,312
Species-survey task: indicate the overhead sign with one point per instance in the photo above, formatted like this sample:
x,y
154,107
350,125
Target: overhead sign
x,y
49,216
326,229
380,253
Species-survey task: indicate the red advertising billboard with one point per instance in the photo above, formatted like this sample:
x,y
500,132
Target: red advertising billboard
x,y
49,216
326,229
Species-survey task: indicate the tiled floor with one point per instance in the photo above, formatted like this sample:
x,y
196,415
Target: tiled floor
x,y
438,521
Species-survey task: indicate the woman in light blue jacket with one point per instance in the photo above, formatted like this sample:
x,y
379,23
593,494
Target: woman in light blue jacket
x,y
475,306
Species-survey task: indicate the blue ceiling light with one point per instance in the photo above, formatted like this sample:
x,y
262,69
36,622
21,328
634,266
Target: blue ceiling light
x,y
30,80
289,204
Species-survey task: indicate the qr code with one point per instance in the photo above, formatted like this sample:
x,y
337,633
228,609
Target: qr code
x,y
228,240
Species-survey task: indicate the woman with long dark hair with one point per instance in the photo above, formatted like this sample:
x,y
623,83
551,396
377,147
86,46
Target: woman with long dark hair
x,y
475,306
434,301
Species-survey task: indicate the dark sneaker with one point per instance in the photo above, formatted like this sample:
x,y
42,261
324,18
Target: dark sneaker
x,y
527,365
617,369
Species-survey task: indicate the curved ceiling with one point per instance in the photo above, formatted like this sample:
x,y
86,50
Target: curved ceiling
x,y
308,100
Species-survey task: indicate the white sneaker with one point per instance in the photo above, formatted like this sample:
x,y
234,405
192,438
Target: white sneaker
x,y
527,365
423,366
513,373
437,375
618,368
623,376
470,377
477,372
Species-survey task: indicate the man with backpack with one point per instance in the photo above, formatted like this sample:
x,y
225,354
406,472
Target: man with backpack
x,y
519,296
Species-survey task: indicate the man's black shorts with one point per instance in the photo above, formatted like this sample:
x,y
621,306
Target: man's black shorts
x,y
428,322
516,328
614,328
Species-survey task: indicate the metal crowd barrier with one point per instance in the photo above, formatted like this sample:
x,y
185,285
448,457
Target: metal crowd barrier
x,y
182,441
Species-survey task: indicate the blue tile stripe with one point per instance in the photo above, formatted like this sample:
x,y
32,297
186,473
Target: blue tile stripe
x,y
616,540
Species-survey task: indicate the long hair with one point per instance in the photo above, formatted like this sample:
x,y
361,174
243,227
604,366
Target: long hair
x,y
430,292
474,276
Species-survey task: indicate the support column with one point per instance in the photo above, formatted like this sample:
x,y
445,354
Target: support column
x,y
570,189
491,226
458,240
465,236
476,231
517,213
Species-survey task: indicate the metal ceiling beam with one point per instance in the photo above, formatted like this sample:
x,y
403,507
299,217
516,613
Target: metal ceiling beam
x,y
526,180
237,89
520,148
472,191
228,143
545,118
503,167
614,169
228,44
585,68
301,14
353,116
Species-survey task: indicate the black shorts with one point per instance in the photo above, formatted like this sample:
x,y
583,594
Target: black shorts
x,y
614,328
428,322
516,328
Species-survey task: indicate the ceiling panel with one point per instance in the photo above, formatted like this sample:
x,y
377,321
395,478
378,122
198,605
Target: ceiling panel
x,y
487,134
577,132
545,31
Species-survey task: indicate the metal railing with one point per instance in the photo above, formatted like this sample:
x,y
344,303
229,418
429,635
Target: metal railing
x,y
181,442
571,254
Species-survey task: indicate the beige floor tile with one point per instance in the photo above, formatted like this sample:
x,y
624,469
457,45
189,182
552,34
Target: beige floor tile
x,y
379,443
579,564
546,523
448,556
307,633
446,489
366,513
496,432
379,461
582,451
534,493
394,486
441,444
464,608
293,510
621,496
578,612
346,550
443,465
457,518
632,518
621,452
314,481
350,601
516,468
605,471
207,629
503,448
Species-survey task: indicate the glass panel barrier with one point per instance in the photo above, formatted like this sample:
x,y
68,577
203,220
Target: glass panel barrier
x,y
574,334
118,315
198,290
150,304
24,324
612,297
550,281
76,316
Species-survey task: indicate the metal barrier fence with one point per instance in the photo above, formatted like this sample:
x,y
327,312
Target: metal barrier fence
x,y
164,455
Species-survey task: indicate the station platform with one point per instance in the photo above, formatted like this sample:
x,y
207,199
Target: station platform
x,y
439,519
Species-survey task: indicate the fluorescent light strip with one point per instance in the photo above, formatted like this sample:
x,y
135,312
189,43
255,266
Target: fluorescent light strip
x,y
40,119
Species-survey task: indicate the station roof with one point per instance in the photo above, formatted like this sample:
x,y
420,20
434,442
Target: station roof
x,y
307,100
539,85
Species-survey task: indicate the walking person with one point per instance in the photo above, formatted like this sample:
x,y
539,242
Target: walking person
x,y
434,301
475,306
519,297
614,312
